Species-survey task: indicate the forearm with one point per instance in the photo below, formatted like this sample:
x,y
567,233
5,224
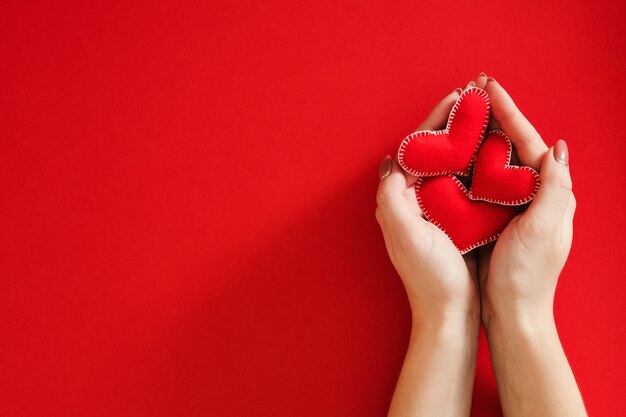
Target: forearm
x,y
438,371
532,372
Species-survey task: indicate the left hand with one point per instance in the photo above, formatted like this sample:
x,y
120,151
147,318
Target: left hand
x,y
439,281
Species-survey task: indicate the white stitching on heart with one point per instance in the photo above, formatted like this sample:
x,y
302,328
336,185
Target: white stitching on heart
x,y
482,93
508,166
459,184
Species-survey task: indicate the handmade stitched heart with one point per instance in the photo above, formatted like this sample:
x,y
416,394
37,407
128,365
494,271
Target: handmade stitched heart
x,y
453,149
495,180
468,223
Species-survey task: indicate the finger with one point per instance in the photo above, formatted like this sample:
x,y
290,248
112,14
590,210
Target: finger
x,y
410,179
409,194
571,209
494,124
528,143
438,117
469,85
553,203
481,80
393,207
568,220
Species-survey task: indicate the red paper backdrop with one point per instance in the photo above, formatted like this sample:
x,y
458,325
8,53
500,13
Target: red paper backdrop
x,y
187,196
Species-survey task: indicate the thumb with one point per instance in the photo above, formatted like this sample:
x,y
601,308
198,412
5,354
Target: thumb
x,y
396,217
551,203
390,198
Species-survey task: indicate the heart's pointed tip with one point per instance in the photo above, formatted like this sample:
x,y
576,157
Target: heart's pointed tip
x,y
468,223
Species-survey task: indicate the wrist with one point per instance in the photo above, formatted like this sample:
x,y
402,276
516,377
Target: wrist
x,y
518,320
462,310
517,312
453,335
446,322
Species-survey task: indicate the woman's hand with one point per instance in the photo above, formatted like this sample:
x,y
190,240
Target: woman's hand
x,y
438,280
440,364
518,278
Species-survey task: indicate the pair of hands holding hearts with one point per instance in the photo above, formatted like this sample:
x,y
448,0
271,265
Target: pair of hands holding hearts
x,y
478,216
518,273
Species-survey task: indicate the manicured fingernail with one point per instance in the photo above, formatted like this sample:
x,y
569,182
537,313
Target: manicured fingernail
x,y
459,90
385,167
471,84
560,152
490,79
482,74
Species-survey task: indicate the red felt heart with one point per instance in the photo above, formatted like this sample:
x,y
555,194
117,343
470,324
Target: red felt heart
x,y
445,202
496,181
452,150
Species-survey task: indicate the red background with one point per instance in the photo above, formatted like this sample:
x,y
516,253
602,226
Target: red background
x,y
187,196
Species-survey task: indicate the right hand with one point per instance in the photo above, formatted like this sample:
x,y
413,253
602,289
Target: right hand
x,y
518,275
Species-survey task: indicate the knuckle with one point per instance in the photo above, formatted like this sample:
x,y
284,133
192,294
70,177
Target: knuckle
x,y
564,188
382,196
535,233
571,207
509,114
532,228
379,215
560,191
380,199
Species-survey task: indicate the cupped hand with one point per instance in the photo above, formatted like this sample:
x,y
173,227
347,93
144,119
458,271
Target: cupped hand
x,y
438,279
518,274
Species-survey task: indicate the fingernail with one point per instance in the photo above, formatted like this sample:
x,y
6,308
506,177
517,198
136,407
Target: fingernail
x,y
490,79
471,84
482,74
560,152
385,167
459,90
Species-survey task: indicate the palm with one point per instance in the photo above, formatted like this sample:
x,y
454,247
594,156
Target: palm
x,y
457,274
521,251
431,267
499,257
